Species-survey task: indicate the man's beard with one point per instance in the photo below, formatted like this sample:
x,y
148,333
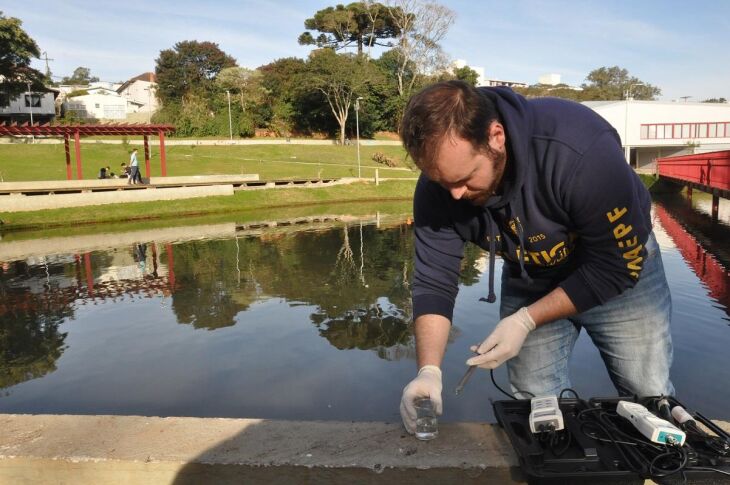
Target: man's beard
x,y
499,162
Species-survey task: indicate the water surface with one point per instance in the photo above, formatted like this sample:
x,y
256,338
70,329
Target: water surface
x,y
306,319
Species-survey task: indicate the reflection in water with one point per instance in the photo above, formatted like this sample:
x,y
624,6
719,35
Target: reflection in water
x,y
382,329
704,244
217,280
235,326
354,277
32,305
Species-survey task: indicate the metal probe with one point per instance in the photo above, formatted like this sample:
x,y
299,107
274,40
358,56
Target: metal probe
x,y
465,379
467,375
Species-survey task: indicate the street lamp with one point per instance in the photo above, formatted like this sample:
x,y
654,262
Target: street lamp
x,y
357,132
30,106
627,93
627,147
230,124
149,104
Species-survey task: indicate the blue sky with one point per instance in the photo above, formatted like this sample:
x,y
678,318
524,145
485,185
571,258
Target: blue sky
x,y
681,47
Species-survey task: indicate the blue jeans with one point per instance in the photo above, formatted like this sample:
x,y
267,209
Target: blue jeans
x,y
631,332
133,174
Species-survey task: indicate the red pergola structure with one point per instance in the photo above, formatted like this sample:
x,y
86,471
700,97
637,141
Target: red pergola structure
x,y
77,131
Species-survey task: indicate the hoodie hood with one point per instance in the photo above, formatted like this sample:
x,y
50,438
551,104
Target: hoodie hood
x,y
517,119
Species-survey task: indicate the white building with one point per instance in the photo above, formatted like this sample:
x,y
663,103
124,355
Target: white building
x,y
500,82
654,129
550,79
113,101
100,104
482,80
38,105
140,93
105,84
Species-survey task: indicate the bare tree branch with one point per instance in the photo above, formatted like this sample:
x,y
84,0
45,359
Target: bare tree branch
x,y
422,24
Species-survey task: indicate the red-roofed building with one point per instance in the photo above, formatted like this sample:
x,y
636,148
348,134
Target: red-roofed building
x,y
140,93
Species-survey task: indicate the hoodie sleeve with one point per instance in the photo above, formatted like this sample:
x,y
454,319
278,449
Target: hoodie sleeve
x,y
439,250
609,209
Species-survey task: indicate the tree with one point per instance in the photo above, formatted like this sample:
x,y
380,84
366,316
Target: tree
x,y
467,74
389,100
280,86
715,100
340,78
17,49
77,92
422,24
189,67
243,82
363,23
612,83
81,75
556,91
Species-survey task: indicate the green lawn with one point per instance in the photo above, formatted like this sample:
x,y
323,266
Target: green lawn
x,y
21,162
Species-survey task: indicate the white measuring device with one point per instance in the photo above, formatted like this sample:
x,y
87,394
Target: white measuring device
x,y
545,414
656,429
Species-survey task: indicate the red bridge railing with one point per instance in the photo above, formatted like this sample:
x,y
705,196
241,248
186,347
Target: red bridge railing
x,y
708,172
711,170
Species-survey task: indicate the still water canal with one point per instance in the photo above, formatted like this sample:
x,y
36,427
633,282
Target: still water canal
x,y
305,320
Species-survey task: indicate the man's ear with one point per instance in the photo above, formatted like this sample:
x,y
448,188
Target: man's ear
x,y
497,137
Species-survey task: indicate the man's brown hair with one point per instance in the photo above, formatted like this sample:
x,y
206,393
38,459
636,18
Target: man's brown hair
x,y
451,108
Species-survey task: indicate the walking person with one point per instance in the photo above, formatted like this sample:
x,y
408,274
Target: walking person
x,y
133,168
544,183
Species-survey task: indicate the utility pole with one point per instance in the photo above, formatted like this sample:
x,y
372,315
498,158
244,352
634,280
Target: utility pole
x,y
357,131
230,124
48,69
30,107
149,103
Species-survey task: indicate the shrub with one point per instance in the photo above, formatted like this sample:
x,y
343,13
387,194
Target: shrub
x,y
381,158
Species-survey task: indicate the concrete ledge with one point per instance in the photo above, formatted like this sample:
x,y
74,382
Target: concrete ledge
x,y
51,185
61,184
204,179
22,249
45,449
22,203
12,250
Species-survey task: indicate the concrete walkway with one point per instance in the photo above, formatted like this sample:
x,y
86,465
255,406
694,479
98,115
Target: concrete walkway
x,y
121,450
44,449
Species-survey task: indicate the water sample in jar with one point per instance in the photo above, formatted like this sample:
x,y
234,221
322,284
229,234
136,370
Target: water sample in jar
x,y
427,425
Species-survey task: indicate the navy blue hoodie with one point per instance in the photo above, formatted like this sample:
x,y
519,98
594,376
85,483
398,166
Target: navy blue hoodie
x,y
570,213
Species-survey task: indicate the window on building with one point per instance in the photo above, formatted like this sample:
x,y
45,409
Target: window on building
x,y
727,130
4,100
652,132
659,132
685,131
644,132
712,130
702,130
32,100
96,105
